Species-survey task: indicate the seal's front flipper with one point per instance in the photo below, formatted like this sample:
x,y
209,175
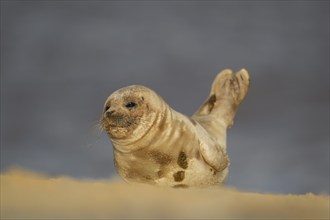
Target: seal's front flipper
x,y
215,156
227,92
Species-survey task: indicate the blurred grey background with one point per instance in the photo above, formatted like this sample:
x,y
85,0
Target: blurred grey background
x,y
61,59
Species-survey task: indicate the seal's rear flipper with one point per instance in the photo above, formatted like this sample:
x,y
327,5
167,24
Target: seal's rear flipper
x,y
227,92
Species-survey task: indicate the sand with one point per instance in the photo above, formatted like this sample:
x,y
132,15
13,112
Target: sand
x,y
31,195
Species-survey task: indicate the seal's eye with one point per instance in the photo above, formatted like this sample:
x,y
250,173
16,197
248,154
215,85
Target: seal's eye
x,y
130,105
106,108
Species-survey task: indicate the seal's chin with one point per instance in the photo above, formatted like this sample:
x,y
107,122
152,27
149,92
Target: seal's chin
x,y
117,132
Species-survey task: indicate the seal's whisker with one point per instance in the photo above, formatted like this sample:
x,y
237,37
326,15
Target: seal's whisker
x,y
100,124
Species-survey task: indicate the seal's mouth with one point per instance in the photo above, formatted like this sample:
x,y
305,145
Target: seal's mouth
x,y
119,120
116,122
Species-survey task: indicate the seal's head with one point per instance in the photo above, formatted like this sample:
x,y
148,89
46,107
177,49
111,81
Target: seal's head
x,y
130,112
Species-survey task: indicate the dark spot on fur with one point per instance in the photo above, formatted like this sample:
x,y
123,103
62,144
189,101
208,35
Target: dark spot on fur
x,y
147,177
178,176
161,124
198,155
182,160
180,186
213,171
160,158
231,82
142,98
211,101
241,77
193,121
160,173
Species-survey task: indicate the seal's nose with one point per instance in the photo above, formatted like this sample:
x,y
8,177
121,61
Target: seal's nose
x,y
109,113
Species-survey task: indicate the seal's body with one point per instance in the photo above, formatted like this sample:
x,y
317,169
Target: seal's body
x,y
155,144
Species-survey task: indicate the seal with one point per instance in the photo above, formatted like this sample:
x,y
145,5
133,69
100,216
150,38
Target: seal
x,y
155,144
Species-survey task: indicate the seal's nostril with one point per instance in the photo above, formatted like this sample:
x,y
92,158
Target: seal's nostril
x,y
106,108
109,113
